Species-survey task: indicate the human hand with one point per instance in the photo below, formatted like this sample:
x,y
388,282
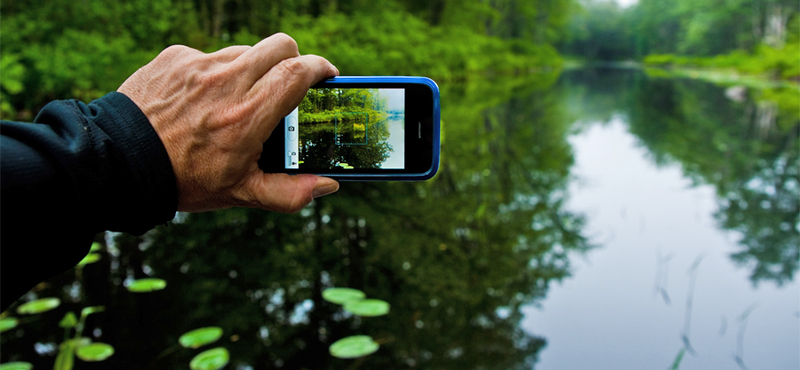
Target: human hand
x,y
213,112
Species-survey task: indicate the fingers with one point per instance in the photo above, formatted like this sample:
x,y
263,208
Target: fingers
x,y
230,53
284,87
285,193
258,60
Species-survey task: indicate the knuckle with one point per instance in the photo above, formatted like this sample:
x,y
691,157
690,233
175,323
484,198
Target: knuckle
x,y
285,40
174,51
292,68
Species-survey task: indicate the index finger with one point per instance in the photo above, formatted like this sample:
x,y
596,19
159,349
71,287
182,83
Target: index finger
x,y
264,55
283,88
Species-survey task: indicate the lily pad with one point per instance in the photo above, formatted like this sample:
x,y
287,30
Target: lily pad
x,y
147,285
90,258
38,306
342,295
200,337
69,320
16,365
367,307
94,352
213,359
8,323
353,346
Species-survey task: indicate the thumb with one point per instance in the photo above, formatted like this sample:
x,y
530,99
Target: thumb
x,y
285,193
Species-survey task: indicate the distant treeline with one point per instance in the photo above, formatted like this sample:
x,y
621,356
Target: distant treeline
x,y
756,36
55,49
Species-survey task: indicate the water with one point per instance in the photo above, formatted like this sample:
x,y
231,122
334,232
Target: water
x,y
560,233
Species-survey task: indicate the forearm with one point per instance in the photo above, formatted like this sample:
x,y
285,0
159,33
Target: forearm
x,y
78,170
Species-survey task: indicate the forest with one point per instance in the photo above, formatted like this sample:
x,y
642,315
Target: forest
x,y
759,37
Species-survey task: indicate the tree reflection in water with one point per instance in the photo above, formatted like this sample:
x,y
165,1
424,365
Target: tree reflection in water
x,y
747,149
455,257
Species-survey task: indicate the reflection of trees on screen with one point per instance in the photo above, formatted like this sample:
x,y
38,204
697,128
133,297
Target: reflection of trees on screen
x,y
326,111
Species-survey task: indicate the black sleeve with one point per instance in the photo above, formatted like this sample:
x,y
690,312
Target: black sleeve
x,y
77,170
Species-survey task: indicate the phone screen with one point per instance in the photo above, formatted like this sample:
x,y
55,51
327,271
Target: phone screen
x,y
347,129
368,128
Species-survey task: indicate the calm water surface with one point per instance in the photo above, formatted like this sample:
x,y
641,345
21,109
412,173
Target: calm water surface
x,y
599,219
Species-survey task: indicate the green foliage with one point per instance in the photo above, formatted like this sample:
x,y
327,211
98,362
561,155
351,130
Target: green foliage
x,y
38,306
212,359
353,347
600,30
367,307
766,61
69,321
66,49
342,295
94,352
146,285
8,323
200,337
16,365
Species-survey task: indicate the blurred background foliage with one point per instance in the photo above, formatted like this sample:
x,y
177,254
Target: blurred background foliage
x,y
83,49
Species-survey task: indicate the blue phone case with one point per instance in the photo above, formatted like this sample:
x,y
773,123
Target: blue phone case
x,y
347,80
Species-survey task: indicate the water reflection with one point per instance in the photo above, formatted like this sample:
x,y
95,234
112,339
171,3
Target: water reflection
x,y
456,257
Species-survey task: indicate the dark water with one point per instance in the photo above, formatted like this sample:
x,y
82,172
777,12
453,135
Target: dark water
x,y
465,259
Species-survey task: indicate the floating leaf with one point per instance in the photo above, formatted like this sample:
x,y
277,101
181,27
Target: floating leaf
x,y
16,365
69,321
86,311
342,295
96,247
94,352
212,359
147,285
90,258
200,337
8,323
38,306
367,307
353,346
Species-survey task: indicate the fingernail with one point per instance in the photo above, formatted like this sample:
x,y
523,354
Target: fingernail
x,y
325,188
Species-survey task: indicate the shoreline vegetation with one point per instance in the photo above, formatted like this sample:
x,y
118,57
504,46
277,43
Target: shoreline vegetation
x,y
82,50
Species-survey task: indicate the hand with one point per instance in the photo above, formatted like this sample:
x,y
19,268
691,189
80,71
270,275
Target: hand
x,y
213,112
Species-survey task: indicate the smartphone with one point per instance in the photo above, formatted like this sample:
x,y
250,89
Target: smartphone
x,y
372,128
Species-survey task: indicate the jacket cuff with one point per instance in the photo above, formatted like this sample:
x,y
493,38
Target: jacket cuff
x,y
152,197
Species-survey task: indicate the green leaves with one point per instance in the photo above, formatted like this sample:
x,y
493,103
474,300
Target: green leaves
x,y
146,285
367,307
69,321
94,352
342,295
200,337
212,359
38,306
8,323
90,258
353,346
353,301
86,311
84,349
16,365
